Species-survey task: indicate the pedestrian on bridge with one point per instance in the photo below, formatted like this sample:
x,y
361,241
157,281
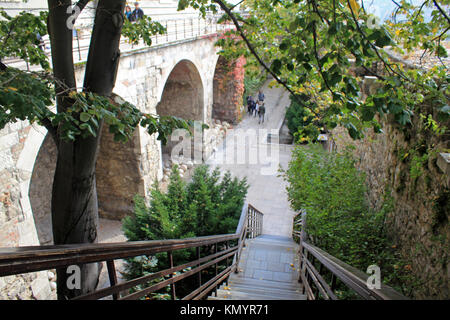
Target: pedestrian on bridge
x,y
257,105
137,13
128,12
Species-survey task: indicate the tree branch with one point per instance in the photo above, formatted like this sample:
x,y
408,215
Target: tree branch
x,y
316,54
441,11
51,130
255,54
236,4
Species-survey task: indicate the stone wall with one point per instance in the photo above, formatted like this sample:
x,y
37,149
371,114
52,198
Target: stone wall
x,y
118,176
18,143
228,90
419,224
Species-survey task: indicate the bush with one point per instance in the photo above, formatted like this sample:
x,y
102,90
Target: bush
x,y
205,206
302,123
339,221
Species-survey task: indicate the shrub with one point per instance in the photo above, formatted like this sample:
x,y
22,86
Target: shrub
x,y
302,123
207,205
339,221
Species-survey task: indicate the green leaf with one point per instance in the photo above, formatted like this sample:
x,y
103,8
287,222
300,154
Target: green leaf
x,y
85,117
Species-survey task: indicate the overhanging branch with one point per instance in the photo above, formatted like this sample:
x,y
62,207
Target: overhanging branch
x,y
255,54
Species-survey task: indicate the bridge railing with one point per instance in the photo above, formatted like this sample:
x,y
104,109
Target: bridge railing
x,y
225,249
319,272
176,30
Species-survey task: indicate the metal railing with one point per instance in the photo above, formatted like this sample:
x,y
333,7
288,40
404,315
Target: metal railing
x,y
176,30
314,279
224,247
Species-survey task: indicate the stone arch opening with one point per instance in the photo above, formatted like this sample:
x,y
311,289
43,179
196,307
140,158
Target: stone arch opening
x,y
118,178
40,191
183,97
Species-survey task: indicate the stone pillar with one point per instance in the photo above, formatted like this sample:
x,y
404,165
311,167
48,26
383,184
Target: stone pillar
x,y
228,90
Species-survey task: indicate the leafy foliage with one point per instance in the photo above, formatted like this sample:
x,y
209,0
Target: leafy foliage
x,y
301,122
339,221
19,37
312,46
30,95
142,29
24,96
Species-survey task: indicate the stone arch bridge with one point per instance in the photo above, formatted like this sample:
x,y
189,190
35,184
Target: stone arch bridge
x,y
184,78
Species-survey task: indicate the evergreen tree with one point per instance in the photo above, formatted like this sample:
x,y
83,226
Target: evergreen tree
x,y
207,205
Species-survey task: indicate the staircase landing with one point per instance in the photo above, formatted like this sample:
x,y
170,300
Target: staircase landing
x,y
268,270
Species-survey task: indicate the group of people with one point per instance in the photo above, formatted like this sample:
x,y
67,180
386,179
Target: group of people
x,y
134,15
257,107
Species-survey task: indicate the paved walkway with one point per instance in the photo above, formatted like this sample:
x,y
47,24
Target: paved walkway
x,y
267,192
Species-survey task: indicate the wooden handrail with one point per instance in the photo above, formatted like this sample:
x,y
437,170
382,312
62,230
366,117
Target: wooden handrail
x,y
314,284
37,258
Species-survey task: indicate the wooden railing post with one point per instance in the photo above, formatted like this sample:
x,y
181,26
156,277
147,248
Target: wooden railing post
x,y
172,285
199,274
302,263
112,276
216,267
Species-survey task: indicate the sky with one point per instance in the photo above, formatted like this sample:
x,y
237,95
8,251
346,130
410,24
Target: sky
x,y
383,8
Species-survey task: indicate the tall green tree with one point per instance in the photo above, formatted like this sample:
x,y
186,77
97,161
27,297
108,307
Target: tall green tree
x,y
80,114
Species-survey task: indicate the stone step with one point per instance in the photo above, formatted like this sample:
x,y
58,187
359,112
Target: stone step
x,y
263,283
287,294
273,238
243,295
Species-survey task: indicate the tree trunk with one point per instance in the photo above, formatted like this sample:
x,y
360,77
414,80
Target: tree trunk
x,y
74,196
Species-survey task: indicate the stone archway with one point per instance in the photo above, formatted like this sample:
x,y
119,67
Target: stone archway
x,y
183,97
183,93
119,175
40,191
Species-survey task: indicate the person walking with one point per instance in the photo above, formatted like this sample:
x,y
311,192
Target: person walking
x,y
137,13
41,42
262,112
250,104
128,12
257,108
261,96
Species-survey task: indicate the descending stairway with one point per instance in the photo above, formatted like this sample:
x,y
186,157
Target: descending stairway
x,y
268,271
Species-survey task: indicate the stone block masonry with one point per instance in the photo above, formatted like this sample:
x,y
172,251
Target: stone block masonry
x,y
18,143
419,223
228,90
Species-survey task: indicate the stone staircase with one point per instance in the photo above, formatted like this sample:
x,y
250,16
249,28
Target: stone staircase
x,y
268,270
